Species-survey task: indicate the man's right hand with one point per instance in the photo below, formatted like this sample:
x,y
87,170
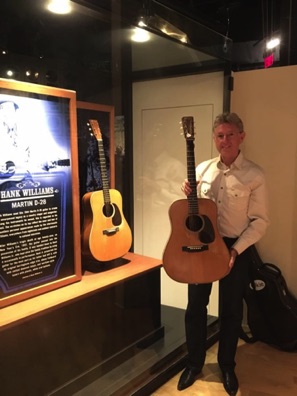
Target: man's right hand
x,y
185,187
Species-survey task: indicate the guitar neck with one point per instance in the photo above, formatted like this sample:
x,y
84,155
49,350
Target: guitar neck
x,y
191,172
103,170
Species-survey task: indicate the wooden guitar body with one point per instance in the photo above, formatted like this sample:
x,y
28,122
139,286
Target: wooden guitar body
x,y
195,252
186,258
106,234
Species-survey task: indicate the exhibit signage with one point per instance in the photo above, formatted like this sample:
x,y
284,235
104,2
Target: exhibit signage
x,y
39,197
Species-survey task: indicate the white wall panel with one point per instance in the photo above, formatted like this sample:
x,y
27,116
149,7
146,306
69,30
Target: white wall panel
x,y
160,159
267,99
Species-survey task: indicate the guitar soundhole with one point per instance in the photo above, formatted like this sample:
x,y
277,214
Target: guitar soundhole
x,y
117,217
207,235
112,210
203,226
195,223
108,210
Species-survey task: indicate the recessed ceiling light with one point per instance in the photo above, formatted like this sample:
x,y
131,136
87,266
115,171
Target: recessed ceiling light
x,y
10,73
59,6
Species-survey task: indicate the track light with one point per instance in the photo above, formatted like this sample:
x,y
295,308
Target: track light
x,y
142,22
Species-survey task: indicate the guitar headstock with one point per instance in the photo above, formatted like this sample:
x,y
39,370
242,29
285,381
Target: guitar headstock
x,y
95,129
188,127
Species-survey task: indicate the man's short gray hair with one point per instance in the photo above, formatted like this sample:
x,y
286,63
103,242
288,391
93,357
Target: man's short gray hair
x,y
228,118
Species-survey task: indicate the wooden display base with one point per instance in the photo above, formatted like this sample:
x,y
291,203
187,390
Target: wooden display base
x,y
91,326
107,334
91,282
148,368
100,267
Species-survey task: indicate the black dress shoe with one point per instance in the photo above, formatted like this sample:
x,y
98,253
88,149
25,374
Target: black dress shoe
x,y
188,378
230,382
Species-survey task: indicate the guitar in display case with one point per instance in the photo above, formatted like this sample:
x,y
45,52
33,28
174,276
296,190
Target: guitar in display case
x,y
106,235
271,307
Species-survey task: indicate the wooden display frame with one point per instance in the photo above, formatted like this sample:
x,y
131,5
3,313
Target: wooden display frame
x,y
39,194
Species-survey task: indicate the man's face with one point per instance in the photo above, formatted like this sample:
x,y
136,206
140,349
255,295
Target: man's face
x,y
227,139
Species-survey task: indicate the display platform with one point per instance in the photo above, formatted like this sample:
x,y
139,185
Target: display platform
x,y
106,335
91,283
51,339
149,367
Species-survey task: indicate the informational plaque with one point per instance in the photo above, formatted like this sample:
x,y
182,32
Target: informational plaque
x,y
39,197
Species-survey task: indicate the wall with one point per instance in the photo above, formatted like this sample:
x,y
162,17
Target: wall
x,y
266,99
160,159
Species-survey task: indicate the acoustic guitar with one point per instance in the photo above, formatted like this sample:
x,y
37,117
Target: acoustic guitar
x,y
106,234
195,251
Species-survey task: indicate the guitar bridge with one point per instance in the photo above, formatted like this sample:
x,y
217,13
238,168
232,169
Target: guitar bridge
x,y
110,231
195,248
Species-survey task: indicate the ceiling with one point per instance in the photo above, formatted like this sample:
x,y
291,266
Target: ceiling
x,y
249,24
241,20
245,22
83,38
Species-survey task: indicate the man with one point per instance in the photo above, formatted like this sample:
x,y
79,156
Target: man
x,y
238,187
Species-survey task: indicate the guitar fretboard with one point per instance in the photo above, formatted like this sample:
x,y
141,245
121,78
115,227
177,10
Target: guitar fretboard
x,y
104,177
191,169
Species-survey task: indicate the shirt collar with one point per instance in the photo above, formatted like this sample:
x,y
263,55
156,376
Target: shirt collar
x,y
236,164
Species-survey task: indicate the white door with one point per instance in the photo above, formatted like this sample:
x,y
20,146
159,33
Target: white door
x,y
160,159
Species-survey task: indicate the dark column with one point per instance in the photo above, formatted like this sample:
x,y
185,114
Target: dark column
x,y
288,28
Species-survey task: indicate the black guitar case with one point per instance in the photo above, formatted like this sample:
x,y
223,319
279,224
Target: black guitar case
x,y
271,308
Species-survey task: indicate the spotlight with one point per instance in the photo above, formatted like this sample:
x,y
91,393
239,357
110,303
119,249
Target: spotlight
x,y
32,75
12,72
142,22
273,43
144,14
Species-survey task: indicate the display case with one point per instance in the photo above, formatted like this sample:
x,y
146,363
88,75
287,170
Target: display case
x,y
112,323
